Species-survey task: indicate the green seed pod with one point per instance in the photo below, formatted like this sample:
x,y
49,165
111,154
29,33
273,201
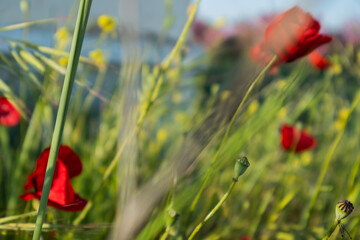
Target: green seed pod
x,y
241,165
343,209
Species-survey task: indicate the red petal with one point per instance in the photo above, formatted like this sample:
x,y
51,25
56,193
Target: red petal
x,y
305,142
293,34
71,160
61,190
288,134
77,204
317,60
9,116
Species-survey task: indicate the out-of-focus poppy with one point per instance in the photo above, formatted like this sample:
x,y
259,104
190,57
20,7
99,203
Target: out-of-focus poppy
x,y
318,60
295,140
62,195
9,116
294,34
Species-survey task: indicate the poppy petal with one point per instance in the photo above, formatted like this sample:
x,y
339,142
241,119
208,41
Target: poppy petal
x,y
9,115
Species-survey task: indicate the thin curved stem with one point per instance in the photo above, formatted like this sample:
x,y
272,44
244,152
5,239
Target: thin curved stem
x,y
224,139
213,211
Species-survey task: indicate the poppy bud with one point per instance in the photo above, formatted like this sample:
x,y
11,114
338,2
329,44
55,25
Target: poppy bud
x,y
241,165
343,209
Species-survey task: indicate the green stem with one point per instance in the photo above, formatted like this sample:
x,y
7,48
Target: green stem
x,y
224,139
78,38
307,214
16,217
155,92
213,211
330,231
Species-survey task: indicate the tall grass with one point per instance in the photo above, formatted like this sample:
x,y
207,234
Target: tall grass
x,y
158,141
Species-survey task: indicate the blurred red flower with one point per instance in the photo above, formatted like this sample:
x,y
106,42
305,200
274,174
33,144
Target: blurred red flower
x,y
294,140
245,238
62,195
9,116
293,34
318,60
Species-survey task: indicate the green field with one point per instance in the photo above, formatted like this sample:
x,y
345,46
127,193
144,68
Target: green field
x,y
159,139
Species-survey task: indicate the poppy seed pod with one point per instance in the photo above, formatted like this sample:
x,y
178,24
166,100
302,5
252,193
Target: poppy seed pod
x,y
343,209
241,165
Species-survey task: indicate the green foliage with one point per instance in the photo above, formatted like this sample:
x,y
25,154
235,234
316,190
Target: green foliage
x,y
147,134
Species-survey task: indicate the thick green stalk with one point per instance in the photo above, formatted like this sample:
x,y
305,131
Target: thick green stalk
x,y
213,211
224,139
78,38
307,214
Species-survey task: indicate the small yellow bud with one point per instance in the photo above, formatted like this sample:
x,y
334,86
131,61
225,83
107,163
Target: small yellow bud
x,y
336,68
98,57
282,112
107,23
161,135
62,36
225,95
253,107
280,84
63,61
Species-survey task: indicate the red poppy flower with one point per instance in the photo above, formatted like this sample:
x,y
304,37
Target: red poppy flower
x,y
62,195
9,116
292,139
318,60
293,34
245,238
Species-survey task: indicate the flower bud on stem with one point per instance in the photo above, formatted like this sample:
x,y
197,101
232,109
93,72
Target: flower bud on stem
x,y
241,165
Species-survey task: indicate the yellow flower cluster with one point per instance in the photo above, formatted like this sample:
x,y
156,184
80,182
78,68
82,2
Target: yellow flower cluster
x,y
336,68
253,107
63,37
98,57
342,119
63,61
107,23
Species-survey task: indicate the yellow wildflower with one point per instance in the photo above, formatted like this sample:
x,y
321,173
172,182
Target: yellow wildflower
x,y
98,57
63,61
305,158
62,36
161,135
253,107
225,95
340,122
107,23
282,112
336,68
280,84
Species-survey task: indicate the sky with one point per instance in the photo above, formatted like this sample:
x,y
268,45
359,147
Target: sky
x,y
331,13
